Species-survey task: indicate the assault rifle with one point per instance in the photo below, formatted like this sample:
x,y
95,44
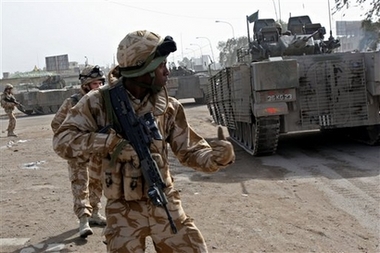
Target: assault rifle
x,y
140,133
13,100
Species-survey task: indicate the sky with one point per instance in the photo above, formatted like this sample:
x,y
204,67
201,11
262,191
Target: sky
x,y
33,29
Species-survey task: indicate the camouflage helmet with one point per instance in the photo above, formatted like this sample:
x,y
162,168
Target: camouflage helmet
x,y
89,74
141,52
8,86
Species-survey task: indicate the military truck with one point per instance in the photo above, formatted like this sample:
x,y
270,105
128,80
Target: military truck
x,y
294,81
45,98
183,83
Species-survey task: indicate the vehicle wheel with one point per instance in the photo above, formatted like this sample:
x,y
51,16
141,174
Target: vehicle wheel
x,y
42,110
46,109
245,133
248,135
265,134
232,133
38,110
54,108
201,100
239,132
254,137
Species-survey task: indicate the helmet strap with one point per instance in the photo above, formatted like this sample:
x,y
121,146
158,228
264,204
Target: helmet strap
x,y
154,88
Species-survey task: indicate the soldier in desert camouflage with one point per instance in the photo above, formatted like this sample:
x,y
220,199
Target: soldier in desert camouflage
x,y
85,180
9,102
131,215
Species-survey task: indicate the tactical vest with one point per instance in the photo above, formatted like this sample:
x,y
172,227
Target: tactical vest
x,y
117,178
127,180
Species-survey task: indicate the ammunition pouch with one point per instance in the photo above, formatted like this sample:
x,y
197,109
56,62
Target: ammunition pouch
x,y
124,179
133,182
112,179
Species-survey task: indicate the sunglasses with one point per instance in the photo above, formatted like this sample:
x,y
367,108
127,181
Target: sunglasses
x,y
95,72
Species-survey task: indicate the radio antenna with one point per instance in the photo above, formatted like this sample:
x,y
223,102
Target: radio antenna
x,y
328,1
275,10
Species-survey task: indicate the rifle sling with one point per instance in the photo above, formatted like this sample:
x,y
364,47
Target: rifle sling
x,y
114,123
109,109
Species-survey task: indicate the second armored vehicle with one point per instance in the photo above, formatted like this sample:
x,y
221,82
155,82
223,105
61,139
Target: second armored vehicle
x,y
45,98
183,83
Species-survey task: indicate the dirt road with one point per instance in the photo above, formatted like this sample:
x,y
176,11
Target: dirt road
x,y
317,194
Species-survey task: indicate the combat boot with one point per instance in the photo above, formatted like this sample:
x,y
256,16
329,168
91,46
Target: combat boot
x,y
11,134
84,227
97,219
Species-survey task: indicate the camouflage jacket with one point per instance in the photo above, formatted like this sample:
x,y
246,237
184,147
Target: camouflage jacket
x,y
63,110
78,137
6,102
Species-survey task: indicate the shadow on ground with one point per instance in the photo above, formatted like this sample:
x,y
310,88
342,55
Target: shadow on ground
x,y
58,243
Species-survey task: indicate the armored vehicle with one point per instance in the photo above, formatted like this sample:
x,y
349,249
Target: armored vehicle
x,y
45,98
183,83
293,81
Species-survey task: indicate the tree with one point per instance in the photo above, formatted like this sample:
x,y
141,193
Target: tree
x,y
371,35
371,13
185,63
228,50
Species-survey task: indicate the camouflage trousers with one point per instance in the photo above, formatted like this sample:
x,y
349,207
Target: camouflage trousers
x,y
86,186
130,222
12,121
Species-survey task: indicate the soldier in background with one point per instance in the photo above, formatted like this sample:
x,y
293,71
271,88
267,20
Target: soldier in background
x,y
9,102
131,215
85,180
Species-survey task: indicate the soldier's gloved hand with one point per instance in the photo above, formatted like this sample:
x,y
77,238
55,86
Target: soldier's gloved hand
x,y
112,141
222,150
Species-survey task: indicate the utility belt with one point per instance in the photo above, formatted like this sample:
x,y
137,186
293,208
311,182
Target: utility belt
x,y
123,180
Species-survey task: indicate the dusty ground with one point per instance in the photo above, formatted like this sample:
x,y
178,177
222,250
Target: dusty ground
x,y
324,198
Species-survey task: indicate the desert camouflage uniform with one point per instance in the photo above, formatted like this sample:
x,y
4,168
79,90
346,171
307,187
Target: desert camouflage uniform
x,y
9,108
131,216
84,177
